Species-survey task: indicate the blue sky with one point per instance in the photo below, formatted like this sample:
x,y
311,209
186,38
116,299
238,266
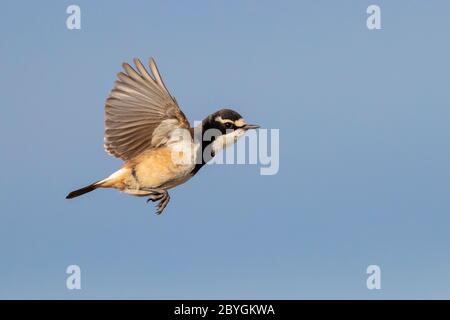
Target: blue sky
x,y
364,151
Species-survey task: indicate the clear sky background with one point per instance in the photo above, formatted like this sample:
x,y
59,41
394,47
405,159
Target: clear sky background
x,y
364,151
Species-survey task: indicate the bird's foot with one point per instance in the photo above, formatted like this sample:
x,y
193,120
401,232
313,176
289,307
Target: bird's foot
x,y
162,203
159,195
154,197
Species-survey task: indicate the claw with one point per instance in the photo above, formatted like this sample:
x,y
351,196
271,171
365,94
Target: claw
x,y
160,195
155,197
162,204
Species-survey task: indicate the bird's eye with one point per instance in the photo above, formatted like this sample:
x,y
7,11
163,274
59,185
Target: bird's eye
x,y
228,125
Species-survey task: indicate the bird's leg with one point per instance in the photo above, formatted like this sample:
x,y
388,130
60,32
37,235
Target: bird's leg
x,y
160,195
163,202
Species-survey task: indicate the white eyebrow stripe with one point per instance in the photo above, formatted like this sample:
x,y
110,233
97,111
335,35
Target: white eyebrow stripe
x,y
237,123
219,119
240,123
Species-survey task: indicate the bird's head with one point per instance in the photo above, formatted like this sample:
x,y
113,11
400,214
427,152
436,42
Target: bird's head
x,y
226,127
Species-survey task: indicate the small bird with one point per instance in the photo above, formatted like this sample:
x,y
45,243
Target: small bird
x,y
145,127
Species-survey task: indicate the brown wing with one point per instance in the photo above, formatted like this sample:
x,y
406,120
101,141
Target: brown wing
x,y
140,113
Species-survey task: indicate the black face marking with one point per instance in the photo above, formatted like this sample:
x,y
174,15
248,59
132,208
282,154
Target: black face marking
x,y
230,125
211,123
225,114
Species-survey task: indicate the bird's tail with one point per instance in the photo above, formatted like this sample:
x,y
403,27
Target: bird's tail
x,y
89,188
113,181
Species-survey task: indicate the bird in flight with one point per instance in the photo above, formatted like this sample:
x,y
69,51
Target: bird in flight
x,y
145,127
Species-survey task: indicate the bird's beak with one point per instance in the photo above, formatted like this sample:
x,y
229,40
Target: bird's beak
x,y
250,126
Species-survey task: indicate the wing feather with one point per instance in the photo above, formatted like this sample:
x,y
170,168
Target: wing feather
x,y
158,78
138,106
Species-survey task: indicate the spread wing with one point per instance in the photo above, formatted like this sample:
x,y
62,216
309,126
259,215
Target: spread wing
x,y
140,113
